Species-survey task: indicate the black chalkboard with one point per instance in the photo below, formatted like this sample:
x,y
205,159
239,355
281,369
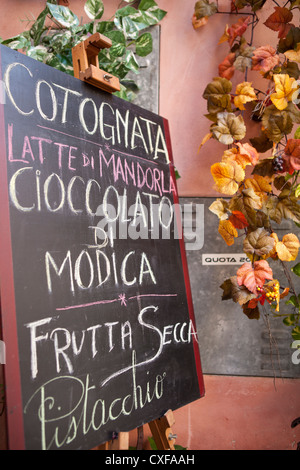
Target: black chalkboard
x,y
96,308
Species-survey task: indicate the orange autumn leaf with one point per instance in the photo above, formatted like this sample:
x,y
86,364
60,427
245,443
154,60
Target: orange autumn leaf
x,y
260,186
265,58
238,220
233,155
253,276
197,23
250,152
227,231
284,293
227,177
280,21
226,68
244,94
204,140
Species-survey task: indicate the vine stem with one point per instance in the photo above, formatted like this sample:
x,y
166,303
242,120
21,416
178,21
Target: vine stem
x,y
288,276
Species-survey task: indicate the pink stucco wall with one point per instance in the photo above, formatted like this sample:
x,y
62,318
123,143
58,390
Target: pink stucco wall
x,y
237,412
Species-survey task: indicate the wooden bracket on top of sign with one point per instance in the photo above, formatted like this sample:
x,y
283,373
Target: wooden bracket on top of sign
x,y
86,63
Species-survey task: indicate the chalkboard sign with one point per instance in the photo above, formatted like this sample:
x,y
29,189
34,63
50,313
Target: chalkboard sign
x,y
97,314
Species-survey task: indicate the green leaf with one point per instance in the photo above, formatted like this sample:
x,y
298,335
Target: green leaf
x,y
292,301
143,45
297,192
153,12
63,15
290,320
297,133
94,9
17,42
296,333
104,27
152,443
296,269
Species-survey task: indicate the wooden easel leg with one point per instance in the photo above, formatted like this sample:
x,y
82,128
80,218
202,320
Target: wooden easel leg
x,y
120,443
162,432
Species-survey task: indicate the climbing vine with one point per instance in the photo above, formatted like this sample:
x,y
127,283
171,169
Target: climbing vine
x,y
259,177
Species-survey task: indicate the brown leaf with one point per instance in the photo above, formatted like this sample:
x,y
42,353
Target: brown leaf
x,y
232,290
286,208
280,21
252,313
258,242
229,128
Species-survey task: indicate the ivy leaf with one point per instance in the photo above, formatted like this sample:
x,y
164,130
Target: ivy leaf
x,y
258,242
287,250
227,177
232,290
94,9
143,45
227,231
280,21
229,128
265,58
63,15
18,42
251,277
244,94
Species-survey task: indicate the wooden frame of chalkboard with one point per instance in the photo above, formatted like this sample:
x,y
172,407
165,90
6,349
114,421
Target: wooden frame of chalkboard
x,y
96,308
